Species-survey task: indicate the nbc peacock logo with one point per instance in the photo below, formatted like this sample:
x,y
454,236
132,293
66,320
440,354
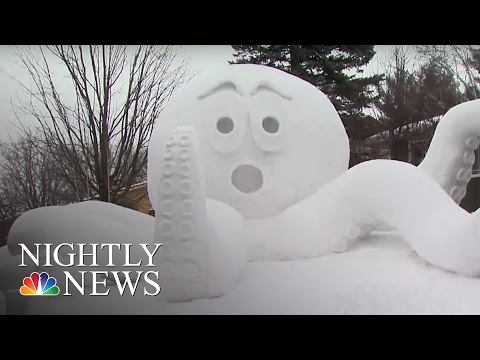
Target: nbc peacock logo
x,y
39,284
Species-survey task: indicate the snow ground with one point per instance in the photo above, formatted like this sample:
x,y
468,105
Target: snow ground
x,y
379,276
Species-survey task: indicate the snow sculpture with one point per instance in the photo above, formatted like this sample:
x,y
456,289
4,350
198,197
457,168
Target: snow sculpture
x,y
267,140
451,154
270,145
257,132
249,163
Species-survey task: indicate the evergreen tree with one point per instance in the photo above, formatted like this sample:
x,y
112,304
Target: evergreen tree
x,y
326,67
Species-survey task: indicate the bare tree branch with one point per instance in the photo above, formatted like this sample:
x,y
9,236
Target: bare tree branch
x,y
458,60
413,95
99,135
29,176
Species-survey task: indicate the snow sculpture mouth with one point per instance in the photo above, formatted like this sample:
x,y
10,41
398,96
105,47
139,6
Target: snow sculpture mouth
x,y
247,179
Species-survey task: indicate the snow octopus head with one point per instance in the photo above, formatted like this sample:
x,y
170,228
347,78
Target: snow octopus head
x,y
267,139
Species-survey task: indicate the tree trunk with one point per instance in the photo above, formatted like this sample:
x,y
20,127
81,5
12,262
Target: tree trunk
x,y
295,59
399,149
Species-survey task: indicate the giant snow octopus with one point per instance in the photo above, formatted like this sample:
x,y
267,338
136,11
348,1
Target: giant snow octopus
x,y
250,163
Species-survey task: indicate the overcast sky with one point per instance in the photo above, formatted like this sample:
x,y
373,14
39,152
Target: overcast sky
x,y
200,57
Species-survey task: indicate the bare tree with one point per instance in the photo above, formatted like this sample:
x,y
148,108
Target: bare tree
x,y
460,60
8,200
30,176
8,210
411,98
101,136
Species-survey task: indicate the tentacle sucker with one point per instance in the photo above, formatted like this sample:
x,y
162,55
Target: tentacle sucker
x,y
196,244
451,154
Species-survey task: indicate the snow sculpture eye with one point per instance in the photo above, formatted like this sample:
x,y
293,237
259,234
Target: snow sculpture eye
x,y
270,125
223,118
225,125
269,120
